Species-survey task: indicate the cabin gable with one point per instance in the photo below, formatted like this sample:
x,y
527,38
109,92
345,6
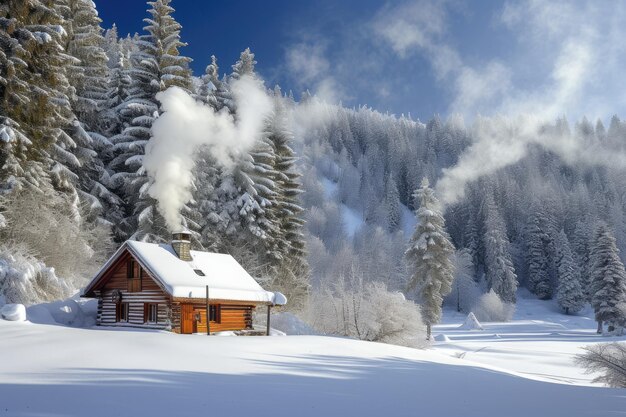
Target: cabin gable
x,y
129,296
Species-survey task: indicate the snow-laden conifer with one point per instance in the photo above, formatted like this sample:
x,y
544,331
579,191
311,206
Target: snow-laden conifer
x,y
429,256
569,293
155,66
608,279
500,274
538,278
88,98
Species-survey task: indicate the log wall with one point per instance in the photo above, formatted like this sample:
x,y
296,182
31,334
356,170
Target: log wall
x,y
143,289
230,317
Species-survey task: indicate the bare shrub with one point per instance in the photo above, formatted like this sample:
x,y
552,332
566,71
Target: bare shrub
x,y
608,360
366,311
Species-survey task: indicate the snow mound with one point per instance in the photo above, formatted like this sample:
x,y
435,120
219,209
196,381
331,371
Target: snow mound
x,y
280,299
71,312
471,323
13,312
441,338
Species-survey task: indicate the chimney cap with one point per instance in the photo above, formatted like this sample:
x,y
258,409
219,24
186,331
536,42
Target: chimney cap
x,y
183,234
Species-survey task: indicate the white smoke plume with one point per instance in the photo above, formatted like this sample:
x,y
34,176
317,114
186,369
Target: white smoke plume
x,y
580,45
503,141
185,126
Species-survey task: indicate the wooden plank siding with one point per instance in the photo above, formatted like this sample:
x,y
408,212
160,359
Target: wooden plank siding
x,y
230,317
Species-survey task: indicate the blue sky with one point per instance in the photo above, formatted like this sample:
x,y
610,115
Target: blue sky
x,y
417,56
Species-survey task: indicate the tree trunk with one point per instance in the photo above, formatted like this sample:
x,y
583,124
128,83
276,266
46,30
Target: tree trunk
x,y
427,331
566,310
599,327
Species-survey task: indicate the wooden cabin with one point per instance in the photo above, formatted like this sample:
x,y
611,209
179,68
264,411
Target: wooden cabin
x,y
170,286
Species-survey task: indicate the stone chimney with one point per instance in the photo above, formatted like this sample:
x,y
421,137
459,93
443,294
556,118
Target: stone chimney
x,y
181,243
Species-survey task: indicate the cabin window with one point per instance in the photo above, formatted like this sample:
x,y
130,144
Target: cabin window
x,y
130,269
122,312
214,313
199,272
152,313
134,274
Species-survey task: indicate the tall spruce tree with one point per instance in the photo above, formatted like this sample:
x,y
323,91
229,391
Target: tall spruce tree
x,y
89,75
292,274
208,87
500,273
429,256
538,278
608,279
156,65
392,204
36,150
582,238
15,103
569,293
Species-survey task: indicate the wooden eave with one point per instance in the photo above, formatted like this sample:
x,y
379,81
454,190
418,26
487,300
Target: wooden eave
x,y
218,301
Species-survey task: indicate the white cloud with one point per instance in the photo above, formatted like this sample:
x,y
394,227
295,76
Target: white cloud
x,y
310,68
307,61
411,25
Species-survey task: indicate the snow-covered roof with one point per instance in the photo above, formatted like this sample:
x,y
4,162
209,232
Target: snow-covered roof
x,y
226,278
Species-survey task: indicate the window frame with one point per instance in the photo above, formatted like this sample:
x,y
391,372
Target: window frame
x,y
130,269
122,312
215,313
134,276
149,310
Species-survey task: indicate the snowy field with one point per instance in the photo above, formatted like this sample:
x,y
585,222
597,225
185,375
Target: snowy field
x,y
539,343
522,368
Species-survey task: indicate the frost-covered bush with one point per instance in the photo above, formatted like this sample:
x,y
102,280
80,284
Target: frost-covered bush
x,y
491,308
44,225
607,359
465,291
25,280
366,311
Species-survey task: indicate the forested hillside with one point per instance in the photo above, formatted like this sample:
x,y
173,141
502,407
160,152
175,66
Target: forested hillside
x,y
321,202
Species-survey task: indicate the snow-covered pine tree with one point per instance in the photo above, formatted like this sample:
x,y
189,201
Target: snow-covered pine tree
x,y
210,82
569,293
257,201
14,97
248,193
244,66
538,279
500,273
36,106
89,75
48,67
608,279
465,292
582,237
156,65
429,256
118,84
292,275
392,204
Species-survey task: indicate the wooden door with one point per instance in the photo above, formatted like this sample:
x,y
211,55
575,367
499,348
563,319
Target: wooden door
x,y
199,325
187,319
